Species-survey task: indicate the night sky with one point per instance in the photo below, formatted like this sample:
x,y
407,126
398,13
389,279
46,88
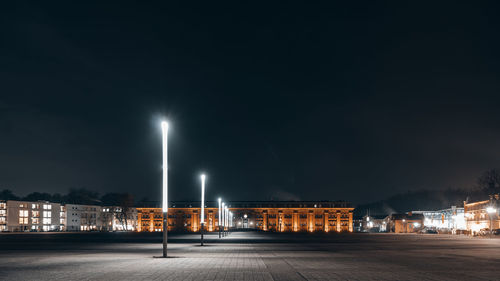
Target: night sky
x,y
272,101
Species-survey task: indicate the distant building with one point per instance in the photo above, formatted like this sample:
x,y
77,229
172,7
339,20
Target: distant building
x,y
373,224
30,216
99,218
3,216
482,215
82,217
445,221
404,223
267,216
357,224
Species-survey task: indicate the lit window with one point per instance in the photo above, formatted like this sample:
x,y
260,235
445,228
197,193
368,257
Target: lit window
x,y
47,217
23,216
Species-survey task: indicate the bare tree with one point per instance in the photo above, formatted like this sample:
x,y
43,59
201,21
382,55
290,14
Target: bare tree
x,y
489,181
124,212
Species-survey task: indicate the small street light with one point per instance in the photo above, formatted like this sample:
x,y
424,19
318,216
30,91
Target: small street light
x,y
219,215
226,219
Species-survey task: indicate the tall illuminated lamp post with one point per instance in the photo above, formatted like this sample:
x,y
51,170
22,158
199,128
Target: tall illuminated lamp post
x,y
202,215
222,218
164,129
219,200
226,214
230,219
491,211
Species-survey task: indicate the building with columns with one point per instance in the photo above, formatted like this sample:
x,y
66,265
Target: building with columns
x,y
278,216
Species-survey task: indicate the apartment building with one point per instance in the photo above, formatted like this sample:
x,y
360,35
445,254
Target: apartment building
x,y
83,217
30,216
3,216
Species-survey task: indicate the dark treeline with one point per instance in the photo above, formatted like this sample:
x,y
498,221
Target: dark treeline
x,y
74,196
487,184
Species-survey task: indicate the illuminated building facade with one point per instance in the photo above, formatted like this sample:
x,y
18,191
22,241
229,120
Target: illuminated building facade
x,y
98,218
477,217
3,216
30,216
405,223
445,221
324,216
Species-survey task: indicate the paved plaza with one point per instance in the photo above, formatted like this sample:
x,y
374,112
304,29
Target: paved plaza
x,y
248,256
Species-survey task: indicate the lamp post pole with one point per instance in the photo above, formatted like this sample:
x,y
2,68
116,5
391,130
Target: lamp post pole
x,y
491,211
202,205
226,220
231,219
164,128
223,219
219,216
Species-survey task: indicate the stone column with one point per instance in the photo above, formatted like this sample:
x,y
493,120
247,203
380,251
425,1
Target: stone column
x,y
338,221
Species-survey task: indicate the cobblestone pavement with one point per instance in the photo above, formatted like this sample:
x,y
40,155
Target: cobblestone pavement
x,y
248,256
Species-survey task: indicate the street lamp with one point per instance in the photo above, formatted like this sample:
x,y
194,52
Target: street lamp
x,y
219,215
164,129
230,219
222,218
491,211
226,219
202,220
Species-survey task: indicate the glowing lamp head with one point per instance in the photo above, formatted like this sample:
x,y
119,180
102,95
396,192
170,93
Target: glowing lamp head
x,y
164,125
202,177
219,200
491,210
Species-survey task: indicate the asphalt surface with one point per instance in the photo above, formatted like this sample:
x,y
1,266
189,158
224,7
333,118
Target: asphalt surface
x,y
247,256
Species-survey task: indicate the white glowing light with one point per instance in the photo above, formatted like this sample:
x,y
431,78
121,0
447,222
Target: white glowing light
x,y
245,216
202,198
164,129
223,219
491,210
219,200
226,216
416,224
